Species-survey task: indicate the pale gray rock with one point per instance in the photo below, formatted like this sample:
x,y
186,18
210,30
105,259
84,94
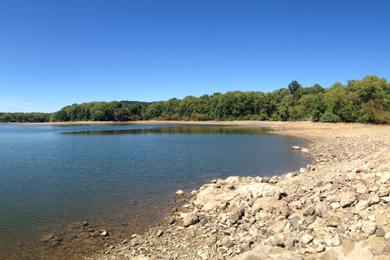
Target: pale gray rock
x,y
190,219
362,204
347,199
380,232
369,227
306,238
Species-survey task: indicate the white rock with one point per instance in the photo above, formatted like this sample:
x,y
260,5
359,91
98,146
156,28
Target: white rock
x,y
179,192
306,238
304,150
362,204
369,227
332,240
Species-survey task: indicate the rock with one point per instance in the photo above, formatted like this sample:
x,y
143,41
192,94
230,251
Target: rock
x,y
278,226
380,232
321,210
347,198
308,211
306,238
333,221
320,248
47,237
296,147
369,227
104,233
332,240
203,254
373,199
335,205
304,150
294,221
386,199
361,188
179,192
233,180
383,192
160,233
190,219
362,204
236,214
227,242
279,240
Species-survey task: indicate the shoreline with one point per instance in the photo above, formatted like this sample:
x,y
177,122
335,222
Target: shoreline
x,y
284,216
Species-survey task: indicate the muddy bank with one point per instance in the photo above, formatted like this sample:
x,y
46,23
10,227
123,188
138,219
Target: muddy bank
x,y
336,207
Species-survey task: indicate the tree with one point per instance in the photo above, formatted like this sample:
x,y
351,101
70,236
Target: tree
x,y
294,86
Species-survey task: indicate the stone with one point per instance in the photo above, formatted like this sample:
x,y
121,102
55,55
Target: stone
x,y
335,205
347,199
190,219
227,242
333,221
278,226
369,227
362,204
203,254
380,232
386,199
306,238
308,211
47,237
104,233
296,147
304,150
373,199
383,192
361,188
236,214
294,221
332,240
179,192
321,210
279,240
160,233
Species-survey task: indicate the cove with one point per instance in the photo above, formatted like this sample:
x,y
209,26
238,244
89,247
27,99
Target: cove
x,y
122,178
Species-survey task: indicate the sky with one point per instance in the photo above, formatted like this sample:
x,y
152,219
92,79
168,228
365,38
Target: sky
x,y
56,53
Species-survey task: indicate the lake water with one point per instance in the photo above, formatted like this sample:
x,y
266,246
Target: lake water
x,y
118,177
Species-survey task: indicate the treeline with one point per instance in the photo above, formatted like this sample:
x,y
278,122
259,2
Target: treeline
x,y
24,117
366,100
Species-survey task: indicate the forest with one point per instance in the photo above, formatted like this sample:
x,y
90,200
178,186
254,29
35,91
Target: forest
x,y
365,101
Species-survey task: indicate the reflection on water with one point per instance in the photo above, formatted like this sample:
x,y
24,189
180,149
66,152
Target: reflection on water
x,y
187,129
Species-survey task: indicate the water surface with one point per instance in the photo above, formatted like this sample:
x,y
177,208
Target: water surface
x,y
119,176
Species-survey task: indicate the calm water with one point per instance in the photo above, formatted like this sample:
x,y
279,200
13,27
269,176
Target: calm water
x,y
51,176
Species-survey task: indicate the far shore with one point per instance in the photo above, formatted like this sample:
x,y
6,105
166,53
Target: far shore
x,y
303,129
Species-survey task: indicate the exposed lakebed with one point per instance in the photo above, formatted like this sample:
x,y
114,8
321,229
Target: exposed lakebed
x,y
120,178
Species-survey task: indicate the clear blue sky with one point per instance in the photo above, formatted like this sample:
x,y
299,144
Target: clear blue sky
x,y
59,52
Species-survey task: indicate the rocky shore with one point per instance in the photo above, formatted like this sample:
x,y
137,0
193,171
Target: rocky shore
x,y
338,207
